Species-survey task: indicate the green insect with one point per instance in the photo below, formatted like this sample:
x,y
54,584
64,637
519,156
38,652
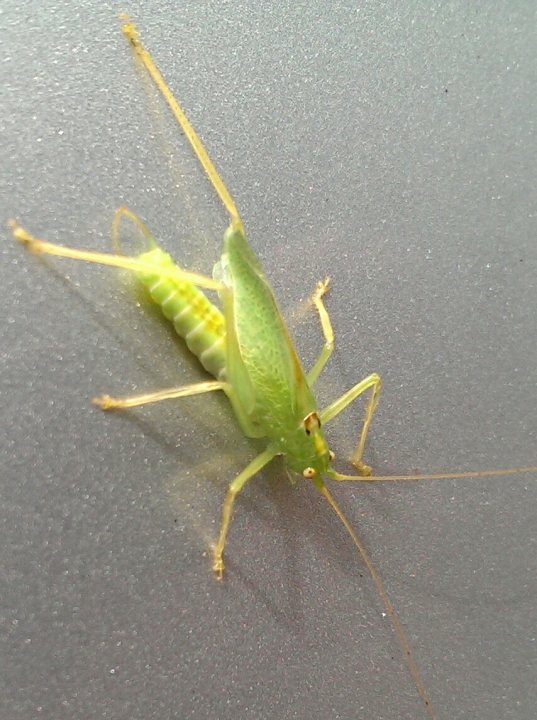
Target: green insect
x,y
246,347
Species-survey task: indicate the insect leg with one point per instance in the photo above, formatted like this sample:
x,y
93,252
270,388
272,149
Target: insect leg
x,y
131,33
233,490
106,402
121,261
328,348
374,383
124,212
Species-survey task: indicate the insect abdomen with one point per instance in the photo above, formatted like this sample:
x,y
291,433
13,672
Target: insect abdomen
x,y
194,317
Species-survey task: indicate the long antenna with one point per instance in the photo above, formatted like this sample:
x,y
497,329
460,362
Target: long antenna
x,y
433,476
379,585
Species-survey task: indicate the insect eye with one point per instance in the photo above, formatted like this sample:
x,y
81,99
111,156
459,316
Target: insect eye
x,y
308,431
332,455
308,472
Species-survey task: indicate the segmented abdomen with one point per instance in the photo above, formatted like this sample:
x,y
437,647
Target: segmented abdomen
x,y
194,317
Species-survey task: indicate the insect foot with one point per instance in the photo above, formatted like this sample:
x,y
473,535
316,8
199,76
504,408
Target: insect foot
x,y
105,402
363,469
322,287
218,565
22,236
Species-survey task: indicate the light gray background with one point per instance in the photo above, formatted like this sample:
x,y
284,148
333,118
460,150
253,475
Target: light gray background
x,y
390,145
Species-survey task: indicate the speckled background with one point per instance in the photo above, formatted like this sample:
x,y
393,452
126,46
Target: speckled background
x,y
390,145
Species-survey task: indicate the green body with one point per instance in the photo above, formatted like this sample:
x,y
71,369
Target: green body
x,y
247,345
194,317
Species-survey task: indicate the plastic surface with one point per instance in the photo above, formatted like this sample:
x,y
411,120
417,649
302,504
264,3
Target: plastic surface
x,y
389,146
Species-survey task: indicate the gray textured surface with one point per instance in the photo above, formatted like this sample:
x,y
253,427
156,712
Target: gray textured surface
x,y
392,146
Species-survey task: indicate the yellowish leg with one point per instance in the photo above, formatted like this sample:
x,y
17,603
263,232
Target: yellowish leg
x,y
124,212
328,348
131,33
373,383
233,490
121,261
106,402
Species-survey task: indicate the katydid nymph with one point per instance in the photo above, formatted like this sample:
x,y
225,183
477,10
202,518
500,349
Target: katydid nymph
x,y
244,344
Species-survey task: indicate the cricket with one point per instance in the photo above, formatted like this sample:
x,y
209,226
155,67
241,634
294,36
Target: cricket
x,y
244,344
